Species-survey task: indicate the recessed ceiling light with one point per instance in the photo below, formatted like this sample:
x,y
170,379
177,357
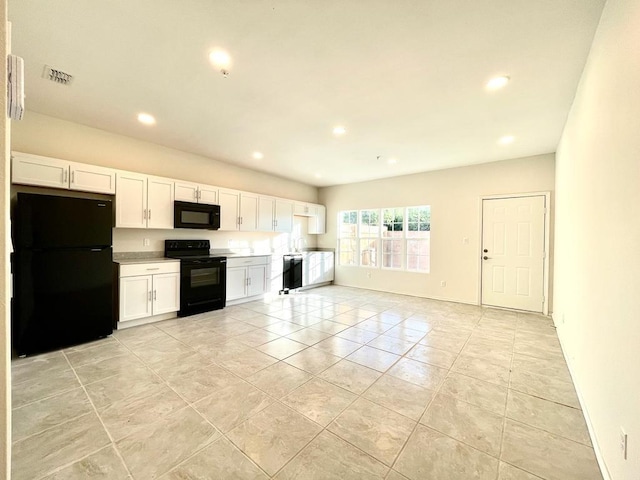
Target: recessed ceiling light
x,y
257,155
221,60
506,140
392,161
497,83
339,130
146,119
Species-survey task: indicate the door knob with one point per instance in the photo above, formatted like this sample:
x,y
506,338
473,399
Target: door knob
x,y
485,257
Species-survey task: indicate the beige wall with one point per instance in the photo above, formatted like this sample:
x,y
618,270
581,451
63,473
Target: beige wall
x,y
597,307
44,135
455,199
5,346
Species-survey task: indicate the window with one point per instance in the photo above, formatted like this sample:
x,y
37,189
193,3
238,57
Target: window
x,y
393,237
369,237
390,238
418,238
348,240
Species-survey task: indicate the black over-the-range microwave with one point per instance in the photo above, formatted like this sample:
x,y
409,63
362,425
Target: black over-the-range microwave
x,y
196,215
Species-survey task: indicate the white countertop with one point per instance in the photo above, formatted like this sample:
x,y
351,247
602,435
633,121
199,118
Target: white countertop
x,y
133,261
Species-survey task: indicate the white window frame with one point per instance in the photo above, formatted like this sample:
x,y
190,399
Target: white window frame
x,y
380,240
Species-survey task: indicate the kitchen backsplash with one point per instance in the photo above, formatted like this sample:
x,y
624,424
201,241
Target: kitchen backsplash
x,y
152,240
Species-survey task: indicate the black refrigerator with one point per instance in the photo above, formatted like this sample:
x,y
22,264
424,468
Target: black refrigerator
x,y
62,272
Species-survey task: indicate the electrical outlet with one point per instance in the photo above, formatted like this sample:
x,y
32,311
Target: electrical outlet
x,y
146,242
443,283
623,443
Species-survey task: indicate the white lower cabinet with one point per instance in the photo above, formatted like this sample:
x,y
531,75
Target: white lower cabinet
x,y
148,292
247,277
317,268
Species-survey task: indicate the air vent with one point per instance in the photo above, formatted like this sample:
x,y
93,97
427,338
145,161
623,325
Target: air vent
x,y
57,76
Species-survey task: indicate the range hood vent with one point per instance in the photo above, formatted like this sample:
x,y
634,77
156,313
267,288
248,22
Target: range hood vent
x,y
57,76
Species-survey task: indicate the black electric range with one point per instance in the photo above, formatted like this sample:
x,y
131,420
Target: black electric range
x,y
203,277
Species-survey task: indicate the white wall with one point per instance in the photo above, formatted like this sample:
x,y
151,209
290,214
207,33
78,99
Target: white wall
x,y
5,346
597,302
44,135
455,199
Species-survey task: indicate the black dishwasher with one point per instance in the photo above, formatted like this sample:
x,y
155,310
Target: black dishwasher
x,y
291,272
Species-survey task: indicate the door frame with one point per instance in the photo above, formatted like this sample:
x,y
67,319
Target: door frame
x,y
547,242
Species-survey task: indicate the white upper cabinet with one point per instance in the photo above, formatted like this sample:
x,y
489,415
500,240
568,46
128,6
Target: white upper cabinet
x,y
303,209
131,200
266,219
316,214
186,192
144,202
160,196
90,178
229,201
275,214
40,171
208,194
283,215
194,192
318,222
248,212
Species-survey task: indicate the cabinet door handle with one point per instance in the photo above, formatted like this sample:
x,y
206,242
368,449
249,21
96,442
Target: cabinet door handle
x,y
73,176
249,280
65,176
149,295
155,295
149,214
240,220
144,214
157,268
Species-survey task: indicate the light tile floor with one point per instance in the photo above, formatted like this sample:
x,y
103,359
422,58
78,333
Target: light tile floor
x,y
332,383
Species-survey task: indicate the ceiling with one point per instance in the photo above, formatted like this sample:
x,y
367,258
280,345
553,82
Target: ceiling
x,y
406,78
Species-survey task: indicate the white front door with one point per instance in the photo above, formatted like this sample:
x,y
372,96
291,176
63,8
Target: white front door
x,y
513,242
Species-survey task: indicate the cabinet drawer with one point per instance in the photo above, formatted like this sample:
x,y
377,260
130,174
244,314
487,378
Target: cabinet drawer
x,y
246,261
132,270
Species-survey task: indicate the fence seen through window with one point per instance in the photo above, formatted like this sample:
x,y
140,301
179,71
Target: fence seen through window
x,y
389,238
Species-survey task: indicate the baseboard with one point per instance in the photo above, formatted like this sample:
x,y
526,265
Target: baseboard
x,y
431,297
585,412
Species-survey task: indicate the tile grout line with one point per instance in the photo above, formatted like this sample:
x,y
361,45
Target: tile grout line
x,y
436,392
312,376
95,410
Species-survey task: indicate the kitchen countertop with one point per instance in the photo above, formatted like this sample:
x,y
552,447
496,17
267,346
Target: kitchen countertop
x,y
132,258
133,261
